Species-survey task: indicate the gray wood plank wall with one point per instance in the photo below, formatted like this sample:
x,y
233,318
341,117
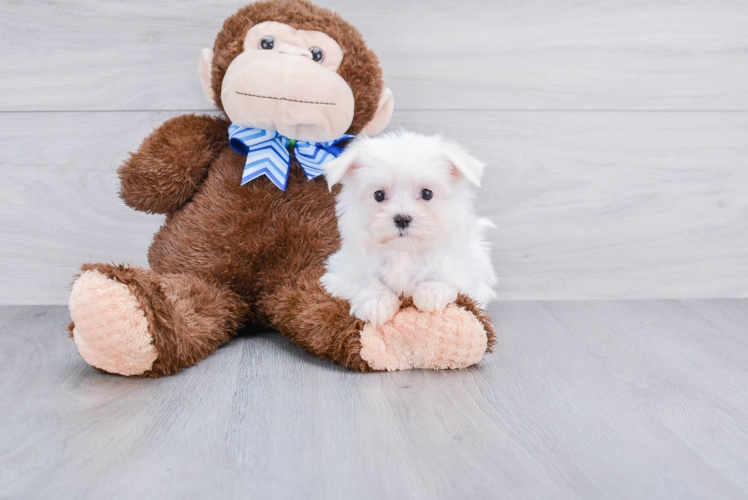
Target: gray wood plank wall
x,y
616,132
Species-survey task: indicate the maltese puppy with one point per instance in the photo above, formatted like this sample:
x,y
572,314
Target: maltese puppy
x,y
407,226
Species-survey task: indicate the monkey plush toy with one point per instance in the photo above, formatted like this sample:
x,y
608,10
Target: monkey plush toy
x,y
249,221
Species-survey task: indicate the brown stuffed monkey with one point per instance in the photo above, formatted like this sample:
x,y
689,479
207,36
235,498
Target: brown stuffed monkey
x,y
243,246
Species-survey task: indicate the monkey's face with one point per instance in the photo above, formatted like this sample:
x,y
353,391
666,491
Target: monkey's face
x,y
286,80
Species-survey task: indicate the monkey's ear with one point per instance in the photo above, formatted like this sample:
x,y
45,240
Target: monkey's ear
x,y
383,114
463,164
206,65
336,169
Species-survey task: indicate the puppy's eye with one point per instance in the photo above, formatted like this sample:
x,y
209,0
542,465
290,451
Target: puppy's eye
x,y
380,196
426,194
267,43
317,54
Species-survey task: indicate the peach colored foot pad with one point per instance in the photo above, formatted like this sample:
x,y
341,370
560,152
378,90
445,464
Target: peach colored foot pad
x,y
111,330
451,338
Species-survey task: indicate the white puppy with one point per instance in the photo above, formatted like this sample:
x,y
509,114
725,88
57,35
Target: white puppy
x,y
407,226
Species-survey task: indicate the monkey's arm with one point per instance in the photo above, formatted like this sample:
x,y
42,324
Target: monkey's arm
x,y
164,172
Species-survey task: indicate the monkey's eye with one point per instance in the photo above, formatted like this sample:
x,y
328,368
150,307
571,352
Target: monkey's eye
x,y
380,196
426,194
267,43
317,54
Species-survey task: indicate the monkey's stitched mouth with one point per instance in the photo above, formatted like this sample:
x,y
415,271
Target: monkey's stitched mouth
x,y
289,100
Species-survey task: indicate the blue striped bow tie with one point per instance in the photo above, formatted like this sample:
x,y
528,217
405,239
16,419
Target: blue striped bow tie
x,y
267,154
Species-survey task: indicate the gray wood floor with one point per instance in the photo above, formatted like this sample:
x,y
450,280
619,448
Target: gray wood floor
x,y
595,399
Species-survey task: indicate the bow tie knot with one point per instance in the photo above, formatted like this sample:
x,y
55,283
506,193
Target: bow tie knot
x,y
267,154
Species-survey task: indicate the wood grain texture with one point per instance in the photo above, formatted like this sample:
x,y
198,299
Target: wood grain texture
x,y
615,400
588,205
480,54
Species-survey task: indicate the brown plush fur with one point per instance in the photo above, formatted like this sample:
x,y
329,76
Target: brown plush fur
x,y
231,254
164,173
188,316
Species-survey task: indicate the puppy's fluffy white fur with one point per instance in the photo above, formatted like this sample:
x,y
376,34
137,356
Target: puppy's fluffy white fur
x,y
440,252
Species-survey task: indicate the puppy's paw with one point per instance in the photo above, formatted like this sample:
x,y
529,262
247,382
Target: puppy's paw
x,y
434,295
375,307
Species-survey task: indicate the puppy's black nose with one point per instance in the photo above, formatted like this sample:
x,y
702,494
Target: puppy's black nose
x,y
402,220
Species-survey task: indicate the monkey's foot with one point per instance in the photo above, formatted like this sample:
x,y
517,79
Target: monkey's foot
x,y
109,326
455,337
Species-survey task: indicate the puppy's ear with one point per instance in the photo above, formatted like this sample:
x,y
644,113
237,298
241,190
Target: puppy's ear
x,y
463,164
336,169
